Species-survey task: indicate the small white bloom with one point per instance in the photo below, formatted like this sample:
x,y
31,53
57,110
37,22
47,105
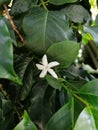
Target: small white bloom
x,y
47,67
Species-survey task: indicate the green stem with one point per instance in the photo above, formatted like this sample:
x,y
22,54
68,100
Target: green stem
x,y
43,3
76,96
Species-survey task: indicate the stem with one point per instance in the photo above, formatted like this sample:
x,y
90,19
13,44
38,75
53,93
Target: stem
x,y
81,99
76,96
94,60
12,23
43,3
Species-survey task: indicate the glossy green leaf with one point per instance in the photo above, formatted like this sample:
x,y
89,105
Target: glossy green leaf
x,y
6,55
93,30
91,99
64,52
26,123
24,68
76,13
62,119
54,82
60,2
42,28
87,120
90,88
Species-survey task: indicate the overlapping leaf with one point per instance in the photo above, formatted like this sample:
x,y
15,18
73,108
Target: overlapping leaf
x,y
26,123
76,13
42,28
62,119
24,68
65,52
6,55
93,30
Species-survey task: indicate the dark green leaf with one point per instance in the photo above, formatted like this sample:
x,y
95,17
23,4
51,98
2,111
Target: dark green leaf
x,y
64,52
42,28
4,2
26,123
20,6
76,13
62,119
36,98
60,2
24,68
6,55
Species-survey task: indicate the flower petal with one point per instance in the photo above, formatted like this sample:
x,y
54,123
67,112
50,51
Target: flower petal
x,y
52,64
51,71
40,67
43,73
44,60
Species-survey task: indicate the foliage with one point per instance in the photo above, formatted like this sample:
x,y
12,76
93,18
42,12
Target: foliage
x,y
58,28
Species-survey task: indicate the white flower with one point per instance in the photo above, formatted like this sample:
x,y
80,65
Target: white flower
x,y
47,67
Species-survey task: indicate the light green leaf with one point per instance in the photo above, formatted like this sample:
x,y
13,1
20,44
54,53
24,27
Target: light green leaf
x,y
6,55
60,2
43,28
26,123
64,52
87,120
93,30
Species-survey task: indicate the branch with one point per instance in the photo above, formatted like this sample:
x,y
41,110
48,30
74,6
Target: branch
x,y
12,23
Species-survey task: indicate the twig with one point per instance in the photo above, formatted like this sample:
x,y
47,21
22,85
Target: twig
x,y
43,3
4,92
12,23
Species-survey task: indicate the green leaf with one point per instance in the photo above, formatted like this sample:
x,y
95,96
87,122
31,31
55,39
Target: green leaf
x,y
76,13
54,82
86,37
24,68
36,100
6,55
62,119
89,92
42,28
21,6
7,115
64,52
26,123
87,120
91,99
90,88
60,2
4,2
93,30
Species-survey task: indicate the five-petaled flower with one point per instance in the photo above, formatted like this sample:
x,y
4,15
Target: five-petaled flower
x,y
47,67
